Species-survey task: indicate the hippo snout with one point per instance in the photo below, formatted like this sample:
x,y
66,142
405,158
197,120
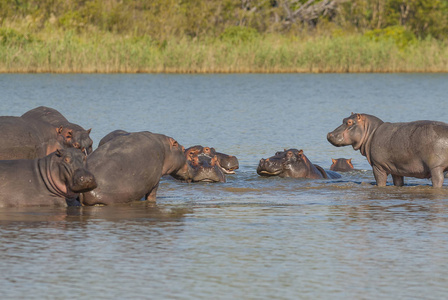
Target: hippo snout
x,y
335,139
83,181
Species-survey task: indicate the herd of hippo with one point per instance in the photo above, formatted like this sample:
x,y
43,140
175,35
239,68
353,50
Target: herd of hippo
x,y
47,160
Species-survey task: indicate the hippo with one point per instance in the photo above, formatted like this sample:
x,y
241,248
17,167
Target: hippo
x,y
412,149
129,166
54,180
112,135
20,139
227,163
72,134
292,163
341,165
206,168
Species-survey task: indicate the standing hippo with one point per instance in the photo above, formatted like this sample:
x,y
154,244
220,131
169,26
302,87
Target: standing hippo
x,y
341,165
20,139
129,167
111,136
227,163
56,179
72,134
414,149
292,163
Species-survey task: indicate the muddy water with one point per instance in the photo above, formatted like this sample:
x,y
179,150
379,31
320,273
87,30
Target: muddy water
x,y
248,238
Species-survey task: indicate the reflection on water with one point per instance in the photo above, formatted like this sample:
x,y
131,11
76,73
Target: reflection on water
x,y
251,237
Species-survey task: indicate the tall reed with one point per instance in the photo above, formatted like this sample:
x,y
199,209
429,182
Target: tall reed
x,y
63,52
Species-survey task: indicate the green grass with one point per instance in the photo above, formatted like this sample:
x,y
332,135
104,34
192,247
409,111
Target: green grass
x,y
66,52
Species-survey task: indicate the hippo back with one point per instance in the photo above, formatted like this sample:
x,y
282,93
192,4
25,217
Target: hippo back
x,y
73,134
328,174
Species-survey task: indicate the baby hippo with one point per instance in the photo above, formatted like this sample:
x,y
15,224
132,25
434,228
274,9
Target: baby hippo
x,y
292,163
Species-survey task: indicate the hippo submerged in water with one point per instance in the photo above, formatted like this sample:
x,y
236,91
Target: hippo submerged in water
x,y
414,149
209,165
129,165
292,163
56,179
341,165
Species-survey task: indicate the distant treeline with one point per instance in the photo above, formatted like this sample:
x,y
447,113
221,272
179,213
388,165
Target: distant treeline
x,y
161,19
223,36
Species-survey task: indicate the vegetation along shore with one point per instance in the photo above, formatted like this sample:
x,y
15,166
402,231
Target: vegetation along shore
x,y
223,36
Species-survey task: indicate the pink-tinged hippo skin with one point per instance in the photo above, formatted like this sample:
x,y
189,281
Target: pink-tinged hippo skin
x,y
293,163
341,165
413,149
54,180
129,165
72,135
21,139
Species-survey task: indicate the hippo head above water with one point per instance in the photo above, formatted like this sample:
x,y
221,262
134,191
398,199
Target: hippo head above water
x,y
205,164
282,164
292,163
341,165
206,169
78,139
73,173
176,163
227,163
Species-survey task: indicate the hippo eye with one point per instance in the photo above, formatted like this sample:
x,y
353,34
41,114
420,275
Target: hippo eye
x,y
350,122
76,145
67,159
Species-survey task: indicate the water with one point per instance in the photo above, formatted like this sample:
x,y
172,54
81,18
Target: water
x,y
248,238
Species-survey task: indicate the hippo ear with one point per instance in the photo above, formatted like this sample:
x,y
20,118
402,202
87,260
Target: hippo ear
x,y
59,129
173,143
59,152
358,116
88,131
300,153
333,160
349,161
69,134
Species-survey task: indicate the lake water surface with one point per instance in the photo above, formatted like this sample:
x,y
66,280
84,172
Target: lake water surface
x,y
248,238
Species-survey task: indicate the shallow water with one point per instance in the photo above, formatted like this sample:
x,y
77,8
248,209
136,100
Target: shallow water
x,y
248,238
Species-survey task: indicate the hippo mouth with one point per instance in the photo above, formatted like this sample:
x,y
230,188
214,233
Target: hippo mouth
x,y
267,173
227,171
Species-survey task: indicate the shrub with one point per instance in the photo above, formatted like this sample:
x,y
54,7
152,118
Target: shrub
x,y
398,34
237,34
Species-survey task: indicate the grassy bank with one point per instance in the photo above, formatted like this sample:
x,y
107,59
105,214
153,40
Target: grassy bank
x,y
64,52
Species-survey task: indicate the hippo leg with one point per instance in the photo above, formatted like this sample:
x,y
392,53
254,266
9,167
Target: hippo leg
x,y
151,196
380,176
437,177
398,180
